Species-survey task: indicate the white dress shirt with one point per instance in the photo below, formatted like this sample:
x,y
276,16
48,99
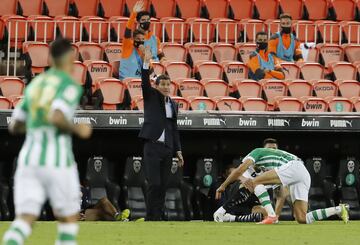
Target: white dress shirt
x,y
168,111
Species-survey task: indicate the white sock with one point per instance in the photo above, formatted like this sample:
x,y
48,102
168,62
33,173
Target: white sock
x,y
264,198
17,233
221,210
67,234
232,218
321,214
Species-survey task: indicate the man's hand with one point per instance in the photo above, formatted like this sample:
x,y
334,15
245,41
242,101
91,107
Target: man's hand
x,y
83,130
219,192
139,6
249,184
147,55
181,158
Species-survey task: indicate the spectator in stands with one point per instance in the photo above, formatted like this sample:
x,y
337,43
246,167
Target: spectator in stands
x,y
284,44
262,64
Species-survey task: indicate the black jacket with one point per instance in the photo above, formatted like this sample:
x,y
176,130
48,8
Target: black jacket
x,y
155,114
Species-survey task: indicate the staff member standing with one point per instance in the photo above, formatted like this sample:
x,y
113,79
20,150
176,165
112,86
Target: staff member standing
x,y
161,137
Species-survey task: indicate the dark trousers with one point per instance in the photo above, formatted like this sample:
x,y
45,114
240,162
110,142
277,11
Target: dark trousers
x,y
157,161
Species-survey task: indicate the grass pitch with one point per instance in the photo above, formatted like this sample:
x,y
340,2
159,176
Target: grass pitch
x,y
198,233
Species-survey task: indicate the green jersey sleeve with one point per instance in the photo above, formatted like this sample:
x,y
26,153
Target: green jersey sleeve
x,y
254,155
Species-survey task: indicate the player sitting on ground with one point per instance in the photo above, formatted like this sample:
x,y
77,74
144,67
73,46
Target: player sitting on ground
x,y
46,167
286,169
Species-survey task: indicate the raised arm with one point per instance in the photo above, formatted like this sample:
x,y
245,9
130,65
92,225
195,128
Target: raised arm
x,y
139,5
145,73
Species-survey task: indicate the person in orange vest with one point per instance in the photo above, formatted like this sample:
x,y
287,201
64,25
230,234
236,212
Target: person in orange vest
x,y
284,44
263,64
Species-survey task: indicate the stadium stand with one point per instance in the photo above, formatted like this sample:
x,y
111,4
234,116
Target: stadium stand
x,y
316,9
8,7
84,8
113,91
27,8
5,103
110,8
160,9
294,8
184,12
54,8
201,103
37,56
254,104
267,9
174,52
228,104
344,9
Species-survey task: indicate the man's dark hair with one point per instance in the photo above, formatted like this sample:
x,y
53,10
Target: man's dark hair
x,y
59,47
260,33
270,141
161,77
285,16
138,32
141,14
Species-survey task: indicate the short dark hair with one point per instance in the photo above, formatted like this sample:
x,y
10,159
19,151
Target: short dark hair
x,y
141,14
260,33
270,141
161,77
59,47
285,16
138,32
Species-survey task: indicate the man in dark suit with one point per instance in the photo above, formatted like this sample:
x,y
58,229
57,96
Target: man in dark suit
x,y
161,137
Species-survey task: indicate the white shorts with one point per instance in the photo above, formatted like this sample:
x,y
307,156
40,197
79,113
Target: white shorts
x,y
34,185
295,175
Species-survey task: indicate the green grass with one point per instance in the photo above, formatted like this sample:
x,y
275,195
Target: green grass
x,y
198,233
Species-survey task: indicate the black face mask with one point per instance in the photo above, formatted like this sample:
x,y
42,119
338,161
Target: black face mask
x,y
138,43
145,25
286,30
261,46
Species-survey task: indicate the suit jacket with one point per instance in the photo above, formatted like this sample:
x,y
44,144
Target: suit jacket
x,y
155,114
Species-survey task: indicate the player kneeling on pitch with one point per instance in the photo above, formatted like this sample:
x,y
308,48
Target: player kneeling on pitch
x,y
46,167
287,169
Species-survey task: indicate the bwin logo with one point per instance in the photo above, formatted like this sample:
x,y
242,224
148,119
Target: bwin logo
x,y
184,122
312,123
117,121
250,122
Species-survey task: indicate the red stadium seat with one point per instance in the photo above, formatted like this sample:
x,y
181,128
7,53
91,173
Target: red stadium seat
x,y
113,91
16,28
312,54
12,87
317,9
188,8
174,52
345,9
174,87
158,68
288,104
339,104
112,51
217,8
356,102
183,104
69,27
312,104
86,8
245,50
249,88
112,7
349,88
208,70
30,7
5,104
242,9
56,7
228,104
117,27
325,88
224,52
226,30
331,53
137,103
249,28
293,7
177,70
98,70
199,30
330,31
175,30
202,104
254,104
96,28
161,8
272,26
291,70
306,31
268,9
272,89
134,87
8,7
300,88
38,54
312,71
17,100
352,52
42,28
343,70
351,30
79,72
234,71
199,52
215,88
190,87
90,51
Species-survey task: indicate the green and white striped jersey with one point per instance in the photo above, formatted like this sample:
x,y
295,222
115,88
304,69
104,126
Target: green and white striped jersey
x,y
267,159
45,145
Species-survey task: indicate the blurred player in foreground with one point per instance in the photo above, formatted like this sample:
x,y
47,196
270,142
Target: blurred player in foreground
x,y
287,169
46,167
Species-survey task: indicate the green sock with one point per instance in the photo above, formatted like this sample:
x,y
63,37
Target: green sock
x,y
264,198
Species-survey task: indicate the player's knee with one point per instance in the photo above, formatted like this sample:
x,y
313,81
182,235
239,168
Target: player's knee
x,y
300,218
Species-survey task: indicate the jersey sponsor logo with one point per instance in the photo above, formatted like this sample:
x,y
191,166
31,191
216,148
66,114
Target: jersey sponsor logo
x,y
87,120
247,123
117,121
278,122
310,123
340,124
214,121
185,122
